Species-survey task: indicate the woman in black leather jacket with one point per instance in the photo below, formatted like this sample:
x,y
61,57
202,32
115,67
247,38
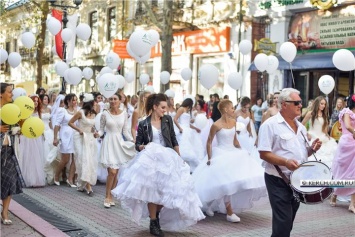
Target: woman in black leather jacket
x,y
157,176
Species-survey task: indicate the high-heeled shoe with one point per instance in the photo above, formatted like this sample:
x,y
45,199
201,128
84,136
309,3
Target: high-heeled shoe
x,y
6,221
56,183
89,192
107,203
333,200
71,185
352,209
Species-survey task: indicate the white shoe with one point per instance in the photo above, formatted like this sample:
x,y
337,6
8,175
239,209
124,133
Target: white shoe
x,y
209,212
233,218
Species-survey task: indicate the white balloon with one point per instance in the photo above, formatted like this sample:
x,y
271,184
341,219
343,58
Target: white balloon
x,y
288,51
83,31
154,35
150,89
326,84
200,121
28,39
140,42
66,77
170,93
129,51
88,73
3,56
60,67
143,59
108,85
144,78
344,60
67,35
14,59
235,80
164,77
54,26
208,75
105,70
17,92
121,81
273,64
130,77
112,60
245,46
74,76
98,121
186,73
261,62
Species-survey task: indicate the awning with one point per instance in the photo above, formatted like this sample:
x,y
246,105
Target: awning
x,y
305,61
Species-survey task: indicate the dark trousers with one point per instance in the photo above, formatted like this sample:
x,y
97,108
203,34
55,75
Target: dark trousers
x,y
283,205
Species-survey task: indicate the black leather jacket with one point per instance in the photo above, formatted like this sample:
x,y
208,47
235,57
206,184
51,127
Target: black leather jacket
x,y
145,133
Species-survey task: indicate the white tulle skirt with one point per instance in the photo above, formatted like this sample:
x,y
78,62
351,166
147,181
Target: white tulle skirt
x,y
232,177
158,175
327,151
191,147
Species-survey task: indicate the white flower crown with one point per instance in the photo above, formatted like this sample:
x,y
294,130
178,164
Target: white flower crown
x,y
88,97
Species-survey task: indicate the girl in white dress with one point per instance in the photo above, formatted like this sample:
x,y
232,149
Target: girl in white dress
x,y
157,179
191,149
172,112
115,151
230,180
85,147
66,135
246,137
139,112
206,129
31,156
48,138
318,128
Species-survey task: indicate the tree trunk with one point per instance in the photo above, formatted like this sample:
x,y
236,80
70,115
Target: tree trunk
x,y
41,43
166,40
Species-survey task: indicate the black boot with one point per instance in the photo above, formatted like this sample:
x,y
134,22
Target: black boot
x,y
157,216
154,228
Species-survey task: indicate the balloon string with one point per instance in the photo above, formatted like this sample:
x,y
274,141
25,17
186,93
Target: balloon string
x,y
293,79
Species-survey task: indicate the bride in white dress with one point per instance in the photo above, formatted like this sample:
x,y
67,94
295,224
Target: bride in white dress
x,y
318,128
115,151
191,149
246,137
230,180
85,147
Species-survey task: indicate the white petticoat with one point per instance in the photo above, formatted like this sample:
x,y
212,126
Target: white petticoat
x,y
158,175
232,177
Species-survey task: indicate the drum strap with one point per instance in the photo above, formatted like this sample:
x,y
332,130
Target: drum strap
x,y
287,181
283,176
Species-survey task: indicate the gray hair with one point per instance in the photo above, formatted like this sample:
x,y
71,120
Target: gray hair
x,y
285,94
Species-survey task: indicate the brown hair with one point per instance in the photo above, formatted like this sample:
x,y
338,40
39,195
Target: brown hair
x,y
223,104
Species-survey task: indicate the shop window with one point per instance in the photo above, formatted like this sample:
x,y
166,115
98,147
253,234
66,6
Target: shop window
x,y
94,25
111,23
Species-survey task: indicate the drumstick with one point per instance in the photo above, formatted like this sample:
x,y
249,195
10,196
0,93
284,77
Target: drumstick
x,y
305,165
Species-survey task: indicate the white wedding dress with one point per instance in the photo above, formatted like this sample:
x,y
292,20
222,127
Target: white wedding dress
x,y
329,145
158,175
232,177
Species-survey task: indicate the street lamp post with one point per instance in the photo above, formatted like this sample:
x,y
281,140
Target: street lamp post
x,y
65,21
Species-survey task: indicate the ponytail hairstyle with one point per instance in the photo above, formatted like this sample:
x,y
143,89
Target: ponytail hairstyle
x,y
188,103
154,99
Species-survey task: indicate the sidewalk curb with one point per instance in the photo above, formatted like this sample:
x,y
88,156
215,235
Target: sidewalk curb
x,y
37,223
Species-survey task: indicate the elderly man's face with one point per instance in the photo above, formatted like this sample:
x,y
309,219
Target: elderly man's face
x,y
293,107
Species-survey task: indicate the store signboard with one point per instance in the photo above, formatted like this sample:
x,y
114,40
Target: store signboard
x,y
211,40
330,29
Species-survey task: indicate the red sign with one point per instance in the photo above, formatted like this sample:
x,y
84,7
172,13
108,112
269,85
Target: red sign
x,y
193,42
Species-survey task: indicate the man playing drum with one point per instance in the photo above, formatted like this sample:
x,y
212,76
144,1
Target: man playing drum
x,y
282,144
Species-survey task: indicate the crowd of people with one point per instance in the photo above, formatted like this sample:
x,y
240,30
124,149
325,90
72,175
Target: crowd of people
x,y
160,163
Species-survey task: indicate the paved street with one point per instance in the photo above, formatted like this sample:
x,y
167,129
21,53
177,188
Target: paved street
x,y
86,216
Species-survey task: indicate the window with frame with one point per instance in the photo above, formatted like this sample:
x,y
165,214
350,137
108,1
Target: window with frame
x,y
94,25
111,23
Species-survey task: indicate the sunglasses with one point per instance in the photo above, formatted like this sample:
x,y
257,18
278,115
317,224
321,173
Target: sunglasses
x,y
296,103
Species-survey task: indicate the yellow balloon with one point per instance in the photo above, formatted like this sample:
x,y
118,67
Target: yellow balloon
x,y
32,127
26,106
10,114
